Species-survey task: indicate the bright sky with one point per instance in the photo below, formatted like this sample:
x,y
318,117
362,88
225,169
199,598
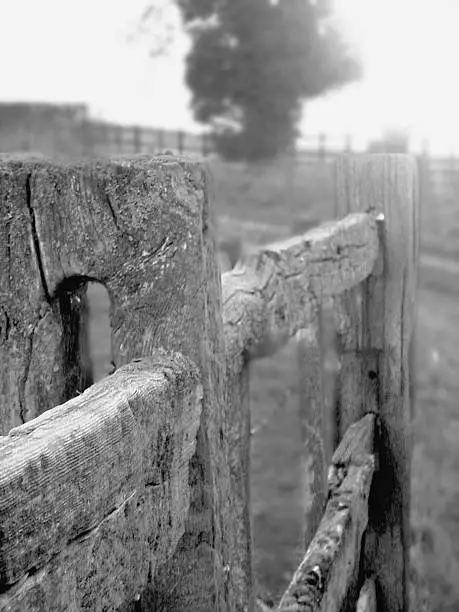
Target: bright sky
x,y
52,50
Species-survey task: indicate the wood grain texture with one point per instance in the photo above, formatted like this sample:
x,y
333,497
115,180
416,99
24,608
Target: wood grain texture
x,y
130,225
367,597
143,227
204,571
331,564
95,492
376,370
239,426
274,293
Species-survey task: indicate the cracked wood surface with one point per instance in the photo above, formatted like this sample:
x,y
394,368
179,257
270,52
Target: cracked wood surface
x,y
367,597
95,492
131,225
143,228
274,293
328,574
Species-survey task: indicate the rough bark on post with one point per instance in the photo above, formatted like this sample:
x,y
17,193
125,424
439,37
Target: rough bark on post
x,y
237,406
142,228
375,375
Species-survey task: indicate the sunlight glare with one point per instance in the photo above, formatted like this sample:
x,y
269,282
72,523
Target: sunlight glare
x,y
409,50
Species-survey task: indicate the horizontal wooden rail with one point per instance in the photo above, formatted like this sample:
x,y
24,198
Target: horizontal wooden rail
x,y
331,564
275,292
87,487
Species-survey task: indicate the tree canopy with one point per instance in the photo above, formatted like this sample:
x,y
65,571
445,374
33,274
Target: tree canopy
x,y
253,63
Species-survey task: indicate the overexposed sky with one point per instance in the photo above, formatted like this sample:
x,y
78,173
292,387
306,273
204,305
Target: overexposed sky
x,y
62,51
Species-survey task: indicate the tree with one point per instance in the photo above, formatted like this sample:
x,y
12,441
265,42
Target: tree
x,y
253,63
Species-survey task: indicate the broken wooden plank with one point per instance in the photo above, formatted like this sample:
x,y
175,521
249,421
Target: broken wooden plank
x,y
331,564
274,293
88,487
356,443
367,597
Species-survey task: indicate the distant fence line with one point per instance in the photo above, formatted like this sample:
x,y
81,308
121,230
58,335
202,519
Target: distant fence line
x,y
56,130
138,139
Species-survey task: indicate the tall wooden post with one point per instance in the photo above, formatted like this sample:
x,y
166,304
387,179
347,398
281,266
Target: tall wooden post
x,y
322,146
375,374
180,141
160,140
315,452
144,229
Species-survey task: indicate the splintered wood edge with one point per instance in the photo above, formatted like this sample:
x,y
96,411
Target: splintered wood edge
x,y
273,294
367,597
357,442
66,471
332,560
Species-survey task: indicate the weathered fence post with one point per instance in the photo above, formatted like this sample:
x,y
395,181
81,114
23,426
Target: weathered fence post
x,y
144,229
119,139
321,150
180,141
375,374
237,407
315,456
348,143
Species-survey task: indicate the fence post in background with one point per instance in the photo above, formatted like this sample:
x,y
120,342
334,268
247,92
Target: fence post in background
x,y
119,139
322,146
160,140
424,171
180,141
314,455
348,143
290,161
103,139
425,148
88,131
375,374
137,134
204,144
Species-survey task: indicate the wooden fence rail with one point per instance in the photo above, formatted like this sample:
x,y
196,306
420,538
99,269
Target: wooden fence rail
x,y
135,494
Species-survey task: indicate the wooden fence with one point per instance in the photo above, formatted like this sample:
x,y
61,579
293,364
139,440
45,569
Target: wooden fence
x,y
135,494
